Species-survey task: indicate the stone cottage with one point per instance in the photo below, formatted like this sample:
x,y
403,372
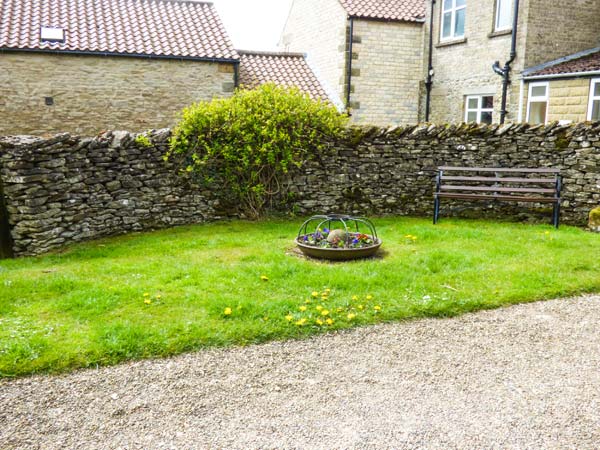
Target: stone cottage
x,y
566,89
368,54
466,38
86,66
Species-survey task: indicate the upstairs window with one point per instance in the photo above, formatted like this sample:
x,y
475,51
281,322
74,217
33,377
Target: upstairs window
x,y
453,19
504,15
594,106
537,103
479,108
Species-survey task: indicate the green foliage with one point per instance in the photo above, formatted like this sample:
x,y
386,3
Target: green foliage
x,y
248,143
166,292
143,141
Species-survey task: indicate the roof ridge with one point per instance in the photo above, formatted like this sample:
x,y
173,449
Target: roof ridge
x,y
270,53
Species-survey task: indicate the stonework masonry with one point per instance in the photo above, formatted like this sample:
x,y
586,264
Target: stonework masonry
x,y
387,69
66,189
90,94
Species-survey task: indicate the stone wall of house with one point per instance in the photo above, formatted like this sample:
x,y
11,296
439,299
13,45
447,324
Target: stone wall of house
x,y
463,66
387,70
318,28
66,189
568,99
92,93
557,29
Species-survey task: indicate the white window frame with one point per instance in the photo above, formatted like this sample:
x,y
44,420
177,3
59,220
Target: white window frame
x,y
539,99
497,27
453,9
593,98
479,110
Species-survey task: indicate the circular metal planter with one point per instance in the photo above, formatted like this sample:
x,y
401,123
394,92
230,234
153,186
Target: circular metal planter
x,y
349,228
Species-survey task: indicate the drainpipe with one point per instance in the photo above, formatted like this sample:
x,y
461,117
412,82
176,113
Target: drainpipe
x,y
236,74
429,81
349,64
504,72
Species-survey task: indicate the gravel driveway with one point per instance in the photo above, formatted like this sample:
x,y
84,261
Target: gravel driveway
x,y
521,377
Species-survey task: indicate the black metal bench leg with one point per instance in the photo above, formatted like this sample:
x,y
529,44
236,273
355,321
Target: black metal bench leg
x,y
436,210
556,215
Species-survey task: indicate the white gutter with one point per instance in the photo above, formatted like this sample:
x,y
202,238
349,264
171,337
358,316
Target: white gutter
x,y
521,89
563,75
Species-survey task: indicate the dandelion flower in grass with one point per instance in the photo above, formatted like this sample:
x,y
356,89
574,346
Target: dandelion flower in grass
x,y
307,301
339,309
327,290
319,308
325,312
227,311
361,307
301,322
351,316
315,294
319,322
158,297
329,321
147,301
146,294
369,297
355,297
289,318
377,308
264,278
303,308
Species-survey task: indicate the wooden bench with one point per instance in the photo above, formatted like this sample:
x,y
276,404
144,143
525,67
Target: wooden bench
x,y
490,183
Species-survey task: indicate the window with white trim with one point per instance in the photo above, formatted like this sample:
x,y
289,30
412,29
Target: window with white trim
x,y
537,103
594,106
479,108
504,15
453,19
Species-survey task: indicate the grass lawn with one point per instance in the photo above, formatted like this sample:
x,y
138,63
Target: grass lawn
x,y
87,306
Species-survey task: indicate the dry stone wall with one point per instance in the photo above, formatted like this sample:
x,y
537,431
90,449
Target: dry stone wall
x,y
66,188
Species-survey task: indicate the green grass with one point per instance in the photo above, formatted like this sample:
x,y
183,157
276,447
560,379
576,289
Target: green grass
x,y
85,307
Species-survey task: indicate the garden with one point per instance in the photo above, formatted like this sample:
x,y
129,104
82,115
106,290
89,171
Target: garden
x,y
166,292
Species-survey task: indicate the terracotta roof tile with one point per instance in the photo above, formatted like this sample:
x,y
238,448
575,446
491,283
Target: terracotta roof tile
x,y
395,10
587,63
284,69
184,29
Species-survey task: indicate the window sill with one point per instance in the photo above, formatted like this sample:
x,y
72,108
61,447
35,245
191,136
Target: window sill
x,y
451,42
494,34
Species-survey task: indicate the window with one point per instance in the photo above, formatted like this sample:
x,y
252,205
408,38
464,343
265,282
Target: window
x,y
453,19
594,107
504,15
479,108
537,103
51,34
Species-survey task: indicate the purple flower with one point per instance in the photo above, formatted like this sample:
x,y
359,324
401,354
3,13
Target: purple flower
x,y
355,241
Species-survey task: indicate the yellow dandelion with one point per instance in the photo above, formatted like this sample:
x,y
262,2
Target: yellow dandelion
x,y
146,294
351,316
324,312
147,301
289,318
319,322
158,296
355,297
265,318
377,308
308,301
264,278
315,294
328,290
361,307
301,322
319,308
329,321
408,236
303,308
227,311
369,297
339,309
414,238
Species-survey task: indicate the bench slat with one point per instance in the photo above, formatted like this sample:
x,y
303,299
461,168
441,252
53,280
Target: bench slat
x,y
499,179
496,189
497,169
513,198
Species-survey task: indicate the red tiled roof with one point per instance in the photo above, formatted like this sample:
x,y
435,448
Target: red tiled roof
x,y
284,69
167,28
395,10
587,63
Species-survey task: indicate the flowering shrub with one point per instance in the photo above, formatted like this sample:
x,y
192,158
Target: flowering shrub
x,y
325,238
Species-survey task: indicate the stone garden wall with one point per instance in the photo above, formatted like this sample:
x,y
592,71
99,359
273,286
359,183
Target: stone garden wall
x,y
65,189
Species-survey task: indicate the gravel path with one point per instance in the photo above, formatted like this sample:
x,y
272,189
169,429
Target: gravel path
x,y
521,377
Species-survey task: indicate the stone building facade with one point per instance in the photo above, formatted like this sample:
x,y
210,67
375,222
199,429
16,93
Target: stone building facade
x,y
462,63
85,67
368,55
